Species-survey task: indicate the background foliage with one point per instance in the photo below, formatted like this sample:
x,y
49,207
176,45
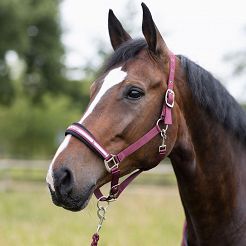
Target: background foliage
x,y
37,101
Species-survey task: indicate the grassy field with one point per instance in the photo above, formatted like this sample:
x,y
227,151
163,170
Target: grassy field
x,y
144,215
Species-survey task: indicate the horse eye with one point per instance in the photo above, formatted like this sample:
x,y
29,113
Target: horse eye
x,y
134,94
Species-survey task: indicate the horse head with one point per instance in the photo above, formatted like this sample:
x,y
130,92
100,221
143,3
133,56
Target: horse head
x,y
125,102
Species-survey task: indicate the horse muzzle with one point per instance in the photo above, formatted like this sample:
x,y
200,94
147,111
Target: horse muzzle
x,y
66,194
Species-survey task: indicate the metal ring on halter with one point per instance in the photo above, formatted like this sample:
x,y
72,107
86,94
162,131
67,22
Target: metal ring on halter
x,y
158,126
102,207
102,199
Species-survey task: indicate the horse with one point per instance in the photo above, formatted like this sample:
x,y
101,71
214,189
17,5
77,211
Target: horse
x,y
202,130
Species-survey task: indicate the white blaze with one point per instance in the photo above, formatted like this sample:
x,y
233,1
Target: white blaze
x,y
114,77
49,177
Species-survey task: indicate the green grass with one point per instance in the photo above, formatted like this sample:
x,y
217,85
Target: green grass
x,y
24,174
144,215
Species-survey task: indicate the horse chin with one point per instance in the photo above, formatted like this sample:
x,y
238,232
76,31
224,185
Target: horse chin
x,y
72,202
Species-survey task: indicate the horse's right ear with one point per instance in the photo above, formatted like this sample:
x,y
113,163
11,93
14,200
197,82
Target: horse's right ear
x,y
117,33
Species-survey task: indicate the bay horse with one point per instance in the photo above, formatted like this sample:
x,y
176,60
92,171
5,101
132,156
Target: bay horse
x,y
203,133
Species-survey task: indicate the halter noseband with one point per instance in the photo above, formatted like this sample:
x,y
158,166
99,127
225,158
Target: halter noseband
x,y
112,161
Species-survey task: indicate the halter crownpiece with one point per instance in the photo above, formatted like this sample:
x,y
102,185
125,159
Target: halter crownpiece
x,y
112,161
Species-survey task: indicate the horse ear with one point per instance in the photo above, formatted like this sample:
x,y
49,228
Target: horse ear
x,y
152,35
117,33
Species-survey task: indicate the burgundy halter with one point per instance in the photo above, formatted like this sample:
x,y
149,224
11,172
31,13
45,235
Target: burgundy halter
x,y
112,161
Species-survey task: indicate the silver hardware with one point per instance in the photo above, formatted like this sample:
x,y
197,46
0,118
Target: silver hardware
x,y
164,132
101,213
163,146
102,198
113,193
157,124
115,186
169,91
112,160
99,202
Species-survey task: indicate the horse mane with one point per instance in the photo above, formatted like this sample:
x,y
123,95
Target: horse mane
x,y
125,52
208,91
214,98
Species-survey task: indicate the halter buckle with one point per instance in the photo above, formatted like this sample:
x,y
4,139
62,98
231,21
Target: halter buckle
x,y
111,163
168,92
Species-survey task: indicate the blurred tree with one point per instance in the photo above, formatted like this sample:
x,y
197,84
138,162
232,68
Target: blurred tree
x,y
31,40
45,51
32,29
239,60
239,57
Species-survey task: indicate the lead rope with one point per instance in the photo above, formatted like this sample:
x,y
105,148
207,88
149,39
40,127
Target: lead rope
x,y
95,239
101,214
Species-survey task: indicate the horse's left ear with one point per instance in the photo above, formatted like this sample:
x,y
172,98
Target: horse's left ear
x,y
152,35
117,33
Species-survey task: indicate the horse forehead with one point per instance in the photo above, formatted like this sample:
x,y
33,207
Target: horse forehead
x,y
113,77
143,68
144,76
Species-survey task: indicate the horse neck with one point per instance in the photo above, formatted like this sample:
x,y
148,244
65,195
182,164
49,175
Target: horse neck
x,y
209,163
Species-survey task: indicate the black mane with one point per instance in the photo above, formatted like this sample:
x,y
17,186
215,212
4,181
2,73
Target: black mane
x,y
125,52
214,98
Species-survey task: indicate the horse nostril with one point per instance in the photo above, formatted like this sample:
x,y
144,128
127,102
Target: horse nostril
x,y
64,180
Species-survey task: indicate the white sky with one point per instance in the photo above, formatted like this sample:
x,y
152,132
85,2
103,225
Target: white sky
x,y
205,31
